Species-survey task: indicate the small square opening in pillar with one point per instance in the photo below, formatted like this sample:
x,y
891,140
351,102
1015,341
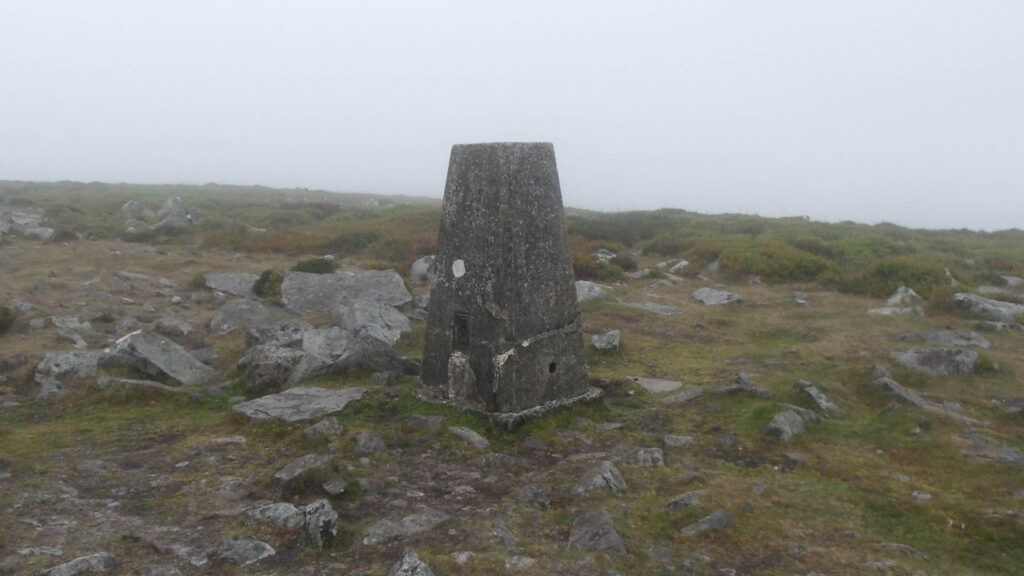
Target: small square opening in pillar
x,y
460,332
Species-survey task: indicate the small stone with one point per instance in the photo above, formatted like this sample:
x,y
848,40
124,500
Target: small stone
x,y
921,496
369,442
504,533
595,531
651,457
334,487
604,476
243,551
535,494
321,522
519,563
657,385
301,466
785,425
410,565
280,514
717,520
430,423
101,562
685,500
684,397
673,441
606,342
326,428
470,436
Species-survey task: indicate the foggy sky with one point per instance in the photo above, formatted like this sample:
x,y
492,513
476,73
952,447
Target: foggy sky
x,y
906,112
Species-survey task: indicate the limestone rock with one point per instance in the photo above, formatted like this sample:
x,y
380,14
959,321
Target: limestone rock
x,y
903,301
685,396
366,353
587,291
386,531
423,270
535,494
94,563
300,467
744,384
818,397
997,310
304,292
327,428
171,327
269,368
176,217
381,321
244,313
604,476
410,565
713,297
321,522
369,442
595,531
657,385
300,403
236,284
329,343
69,364
717,520
660,309
938,361
156,355
243,551
685,500
282,333
470,436
280,514
608,341
956,338
650,457
785,425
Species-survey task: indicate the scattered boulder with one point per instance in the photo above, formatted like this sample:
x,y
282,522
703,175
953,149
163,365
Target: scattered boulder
x,y
173,327
997,310
101,562
587,291
938,361
535,494
321,523
884,382
368,354
785,425
660,309
380,321
982,449
234,283
244,313
685,500
104,382
156,355
300,467
606,342
329,343
300,403
595,531
679,267
369,442
176,217
650,457
243,551
717,520
69,364
657,385
304,292
283,333
386,531
423,270
685,396
714,297
280,514
744,384
818,397
470,436
674,441
326,428
269,368
427,422
410,565
604,476
957,338
903,301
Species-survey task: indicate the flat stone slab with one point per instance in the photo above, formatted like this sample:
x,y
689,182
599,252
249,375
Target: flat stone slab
x,y
654,307
239,284
243,314
156,354
305,292
938,361
712,297
992,309
957,338
299,403
685,396
656,385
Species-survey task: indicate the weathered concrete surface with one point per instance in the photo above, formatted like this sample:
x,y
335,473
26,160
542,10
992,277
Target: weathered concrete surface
x,y
504,294
300,403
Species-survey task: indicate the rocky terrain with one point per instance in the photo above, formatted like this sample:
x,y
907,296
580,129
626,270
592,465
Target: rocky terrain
x,y
159,417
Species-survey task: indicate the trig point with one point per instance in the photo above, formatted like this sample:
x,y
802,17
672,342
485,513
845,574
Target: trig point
x,y
503,333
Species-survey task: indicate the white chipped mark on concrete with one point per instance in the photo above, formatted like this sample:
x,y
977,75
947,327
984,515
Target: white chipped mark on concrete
x,y
459,268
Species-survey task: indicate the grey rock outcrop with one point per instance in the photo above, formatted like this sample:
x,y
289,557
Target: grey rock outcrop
x,y
604,476
657,385
299,404
991,309
366,353
243,551
381,321
94,563
368,442
649,457
659,309
386,531
321,523
280,514
587,291
684,500
235,283
283,333
818,397
957,338
69,364
244,313
884,382
684,396
300,467
157,355
717,520
176,217
595,531
423,270
743,383
715,297
304,292
270,368
410,565
606,342
470,436
785,425
938,361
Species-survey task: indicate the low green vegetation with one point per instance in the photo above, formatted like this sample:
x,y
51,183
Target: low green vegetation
x,y
6,319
